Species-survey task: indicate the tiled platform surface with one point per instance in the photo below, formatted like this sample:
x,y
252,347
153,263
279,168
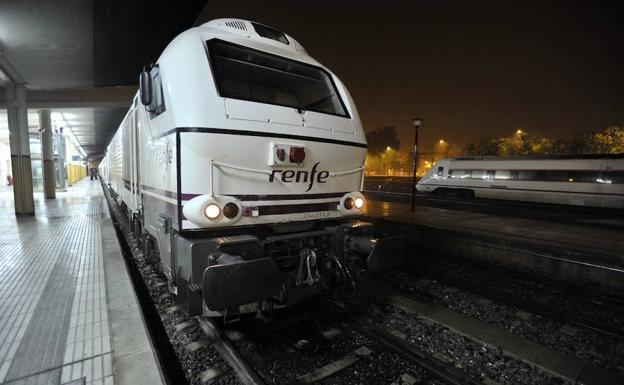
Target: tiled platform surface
x,y
55,326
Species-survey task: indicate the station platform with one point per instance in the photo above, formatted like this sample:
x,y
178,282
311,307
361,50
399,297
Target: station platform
x,y
571,250
68,312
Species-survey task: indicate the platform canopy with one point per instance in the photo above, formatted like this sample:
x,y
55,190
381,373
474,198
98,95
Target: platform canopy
x,y
85,55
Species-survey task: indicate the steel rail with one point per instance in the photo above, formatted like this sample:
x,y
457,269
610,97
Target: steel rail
x,y
492,292
437,368
535,307
243,371
614,299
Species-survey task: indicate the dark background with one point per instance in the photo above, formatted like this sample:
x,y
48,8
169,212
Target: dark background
x,y
469,68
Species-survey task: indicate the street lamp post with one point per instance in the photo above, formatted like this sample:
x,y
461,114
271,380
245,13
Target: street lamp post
x,y
416,122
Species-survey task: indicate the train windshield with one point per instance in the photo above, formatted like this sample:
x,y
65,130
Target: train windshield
x,y
247,74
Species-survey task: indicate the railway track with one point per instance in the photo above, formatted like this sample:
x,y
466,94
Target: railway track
x,y
182,341
315,335
493,290
190,350
597,294
245,373
437,370
306,345
433,355
188,346
585,216
563,318
363,353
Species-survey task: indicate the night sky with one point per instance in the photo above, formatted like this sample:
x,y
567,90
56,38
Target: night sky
x,y
469,68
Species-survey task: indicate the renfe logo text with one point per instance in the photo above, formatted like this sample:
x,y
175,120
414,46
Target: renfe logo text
x,y
301,176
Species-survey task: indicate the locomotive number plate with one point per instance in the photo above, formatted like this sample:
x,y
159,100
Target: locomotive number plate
x,y
316,215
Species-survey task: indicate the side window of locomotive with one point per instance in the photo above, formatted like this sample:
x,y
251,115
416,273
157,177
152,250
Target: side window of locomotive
x,y
478,174
616,177
440,172
247,74
502,174
459,174
158,100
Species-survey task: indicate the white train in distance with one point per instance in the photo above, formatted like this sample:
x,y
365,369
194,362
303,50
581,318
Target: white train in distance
x,y
582,180
241,164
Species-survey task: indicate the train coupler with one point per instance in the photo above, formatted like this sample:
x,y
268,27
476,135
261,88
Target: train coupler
x,y
307,273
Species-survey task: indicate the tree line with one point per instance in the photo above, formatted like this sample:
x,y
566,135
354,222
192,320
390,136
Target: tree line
x,y
383,155
607,141
383,150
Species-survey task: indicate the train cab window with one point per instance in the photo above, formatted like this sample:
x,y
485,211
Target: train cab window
x,y
247,74
440,172
489,174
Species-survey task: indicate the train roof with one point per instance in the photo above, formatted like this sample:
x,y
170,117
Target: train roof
x,y
542,157
258,32
243,32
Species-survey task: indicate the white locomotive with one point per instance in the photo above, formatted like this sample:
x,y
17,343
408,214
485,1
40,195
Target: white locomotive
x,y
590,180
241,162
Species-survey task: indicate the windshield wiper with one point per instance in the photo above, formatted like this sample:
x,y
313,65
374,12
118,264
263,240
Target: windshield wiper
x,y
324,98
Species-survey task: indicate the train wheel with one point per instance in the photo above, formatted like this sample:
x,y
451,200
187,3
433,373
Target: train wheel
x,y
152,255
137,225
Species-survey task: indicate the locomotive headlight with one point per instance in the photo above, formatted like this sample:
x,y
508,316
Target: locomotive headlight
x,y
352,203
212,211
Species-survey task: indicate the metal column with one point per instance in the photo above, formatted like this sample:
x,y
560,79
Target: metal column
x,y
20,148
47,154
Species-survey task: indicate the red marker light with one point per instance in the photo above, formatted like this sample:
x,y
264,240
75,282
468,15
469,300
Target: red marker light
x,y
297,154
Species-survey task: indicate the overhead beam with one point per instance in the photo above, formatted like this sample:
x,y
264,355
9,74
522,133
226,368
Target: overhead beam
x,y
9,72
120,96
